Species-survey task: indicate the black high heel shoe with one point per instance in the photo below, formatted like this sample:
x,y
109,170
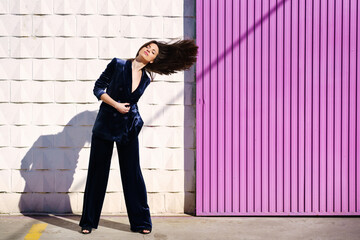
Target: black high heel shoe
x,y
88,229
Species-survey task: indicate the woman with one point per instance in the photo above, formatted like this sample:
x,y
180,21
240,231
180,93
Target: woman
x,y
120,86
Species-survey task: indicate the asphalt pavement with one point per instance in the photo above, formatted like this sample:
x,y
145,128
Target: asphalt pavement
x,y
184,227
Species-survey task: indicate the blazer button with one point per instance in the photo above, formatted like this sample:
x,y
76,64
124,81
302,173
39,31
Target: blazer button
x,y
114,114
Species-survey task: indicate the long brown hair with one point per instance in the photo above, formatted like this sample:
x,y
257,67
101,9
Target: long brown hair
x,y
172,57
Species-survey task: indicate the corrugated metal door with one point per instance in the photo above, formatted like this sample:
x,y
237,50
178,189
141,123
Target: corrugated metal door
x,y
278,122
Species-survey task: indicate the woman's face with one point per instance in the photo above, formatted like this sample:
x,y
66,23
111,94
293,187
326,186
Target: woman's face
x,y
149,52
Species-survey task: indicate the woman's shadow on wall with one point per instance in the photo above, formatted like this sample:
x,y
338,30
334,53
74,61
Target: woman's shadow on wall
x,y
48,169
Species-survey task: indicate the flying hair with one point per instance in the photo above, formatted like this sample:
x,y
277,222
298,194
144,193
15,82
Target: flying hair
x,y
172,57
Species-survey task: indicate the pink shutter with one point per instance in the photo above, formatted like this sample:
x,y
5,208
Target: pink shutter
x,y
278,107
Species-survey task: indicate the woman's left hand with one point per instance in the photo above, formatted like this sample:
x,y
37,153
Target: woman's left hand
x,y
122,107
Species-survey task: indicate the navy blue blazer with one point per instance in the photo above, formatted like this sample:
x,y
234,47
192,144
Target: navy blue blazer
x,y
116,81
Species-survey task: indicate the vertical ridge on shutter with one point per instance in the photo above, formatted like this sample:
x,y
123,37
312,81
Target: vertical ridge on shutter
x,y
199,109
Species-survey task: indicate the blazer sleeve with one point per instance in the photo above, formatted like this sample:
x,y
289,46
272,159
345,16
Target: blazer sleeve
x,y
104,80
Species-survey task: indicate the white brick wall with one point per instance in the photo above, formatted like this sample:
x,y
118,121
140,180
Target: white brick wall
x,y
51,52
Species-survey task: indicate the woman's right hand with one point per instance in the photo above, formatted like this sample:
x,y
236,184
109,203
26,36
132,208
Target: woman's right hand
x,y
122,107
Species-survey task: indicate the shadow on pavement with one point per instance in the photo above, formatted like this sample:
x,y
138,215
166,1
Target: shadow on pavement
x,y
71,222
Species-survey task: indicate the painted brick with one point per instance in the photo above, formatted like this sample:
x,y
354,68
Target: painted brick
x,y
76,47
151,136
58,202
86,117
69,92
75,7
173,93
16,25
114,184
70,136
30,203
173,136
71,158
189,9
189,28
176,8
4,118
54,158
173,27
47,158
74,202
175,77
54,25
173,115
4,46
151,94
47,136
130,7
45,203
5,155
189,94
23,136
189,159
173,158
64,181
59,114
152,183
95,25
32,181
32,47
109,7
172,181
32,91
140,26
152,115
21,158
162,8
156,202
78,181
5,180
16,69
90,69
83,159
54,69
189,118
90,110
80,200
31,7
152,8
4,91
174,202
115,7
151,158
113,47
114,164
189,75
189,137
4,6
189,180
114,203
163,180
9,203
189,204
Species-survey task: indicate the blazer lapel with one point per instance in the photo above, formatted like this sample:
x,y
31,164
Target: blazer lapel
x,y
128,77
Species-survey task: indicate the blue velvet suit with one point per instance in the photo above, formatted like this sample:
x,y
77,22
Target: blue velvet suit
x,y
116,81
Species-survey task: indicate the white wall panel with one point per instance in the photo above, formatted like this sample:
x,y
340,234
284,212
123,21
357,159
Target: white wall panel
x,y
51,53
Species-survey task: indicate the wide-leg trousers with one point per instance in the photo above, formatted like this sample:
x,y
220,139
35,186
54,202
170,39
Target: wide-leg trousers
x,y
132,181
